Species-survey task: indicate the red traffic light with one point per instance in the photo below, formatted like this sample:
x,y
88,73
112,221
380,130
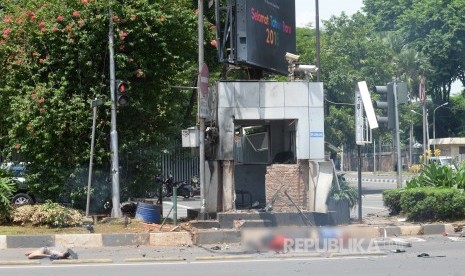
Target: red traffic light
x,y
122,98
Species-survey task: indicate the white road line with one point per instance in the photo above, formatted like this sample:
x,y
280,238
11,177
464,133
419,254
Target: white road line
x,y
179,205
373,196
376,208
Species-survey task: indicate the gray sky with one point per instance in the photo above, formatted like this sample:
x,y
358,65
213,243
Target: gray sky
x,y
305,9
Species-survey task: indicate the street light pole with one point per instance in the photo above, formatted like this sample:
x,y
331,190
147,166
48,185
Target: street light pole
x,y
434,122
411,131
115,195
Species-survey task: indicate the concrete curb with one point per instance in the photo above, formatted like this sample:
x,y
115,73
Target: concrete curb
x,y
376,180
83,261
296,256
223,258
356,254
201,237
153,260
19,262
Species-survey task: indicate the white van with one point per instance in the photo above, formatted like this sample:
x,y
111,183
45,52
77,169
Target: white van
x,y
442,161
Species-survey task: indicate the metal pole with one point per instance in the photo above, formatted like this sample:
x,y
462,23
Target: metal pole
x,y
317,27
410,139
89,180
359,183
399,157
434,123
425,146
175,205
434,127
374,155
201,120
427,130
116,210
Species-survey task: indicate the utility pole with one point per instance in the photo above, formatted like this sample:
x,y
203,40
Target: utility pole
x,y
115,197
317,27
399,157
201,119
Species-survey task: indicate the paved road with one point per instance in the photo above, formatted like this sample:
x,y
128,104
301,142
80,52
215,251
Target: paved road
x,y
445,258
372,188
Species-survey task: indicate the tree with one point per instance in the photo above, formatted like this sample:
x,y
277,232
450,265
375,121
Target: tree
x,y
433,28
54,57
351,52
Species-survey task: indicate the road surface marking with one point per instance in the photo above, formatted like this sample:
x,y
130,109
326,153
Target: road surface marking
x,y
376,208
179,205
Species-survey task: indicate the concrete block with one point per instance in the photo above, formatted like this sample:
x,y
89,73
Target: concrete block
x,y
205,224
2,242
359,231
434,229
410,230
240,224
125,239
171,239
217,236
29,241
389,231
79,240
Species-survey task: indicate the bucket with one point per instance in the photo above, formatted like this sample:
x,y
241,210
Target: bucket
x,y
148,212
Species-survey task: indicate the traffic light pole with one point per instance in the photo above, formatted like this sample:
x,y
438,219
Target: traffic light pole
x,y
359,157
115,196
201,119
396,129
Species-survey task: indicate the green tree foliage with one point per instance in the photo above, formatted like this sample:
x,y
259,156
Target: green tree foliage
x,y
350,52
7,189
54,62
434,28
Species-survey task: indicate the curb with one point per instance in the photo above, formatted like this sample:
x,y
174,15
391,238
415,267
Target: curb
x,y
367,254
83,261
154,260
377,180
303,255
19,262
223,258
201,237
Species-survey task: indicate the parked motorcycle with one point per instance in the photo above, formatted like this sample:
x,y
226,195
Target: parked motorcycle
x,y
195,184
182,188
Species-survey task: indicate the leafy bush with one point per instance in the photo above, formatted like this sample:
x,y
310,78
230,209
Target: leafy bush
x,y
434,175
426,203
346,192
391,199
422,204
49,214
7,189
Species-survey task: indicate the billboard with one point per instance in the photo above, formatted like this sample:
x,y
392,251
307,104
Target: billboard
x,y
265,31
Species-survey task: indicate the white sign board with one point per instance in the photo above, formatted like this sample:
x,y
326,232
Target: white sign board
x,y
367,104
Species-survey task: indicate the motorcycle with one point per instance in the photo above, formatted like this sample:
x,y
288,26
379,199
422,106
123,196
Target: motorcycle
x,y
182,188
195,184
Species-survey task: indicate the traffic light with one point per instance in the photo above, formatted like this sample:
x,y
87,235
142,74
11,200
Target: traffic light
x,y
386,103
121,88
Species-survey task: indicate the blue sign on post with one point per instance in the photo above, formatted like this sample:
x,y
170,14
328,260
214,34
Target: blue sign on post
x,y
317,134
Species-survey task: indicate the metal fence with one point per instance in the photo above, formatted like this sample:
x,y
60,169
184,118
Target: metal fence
x,y
182,163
